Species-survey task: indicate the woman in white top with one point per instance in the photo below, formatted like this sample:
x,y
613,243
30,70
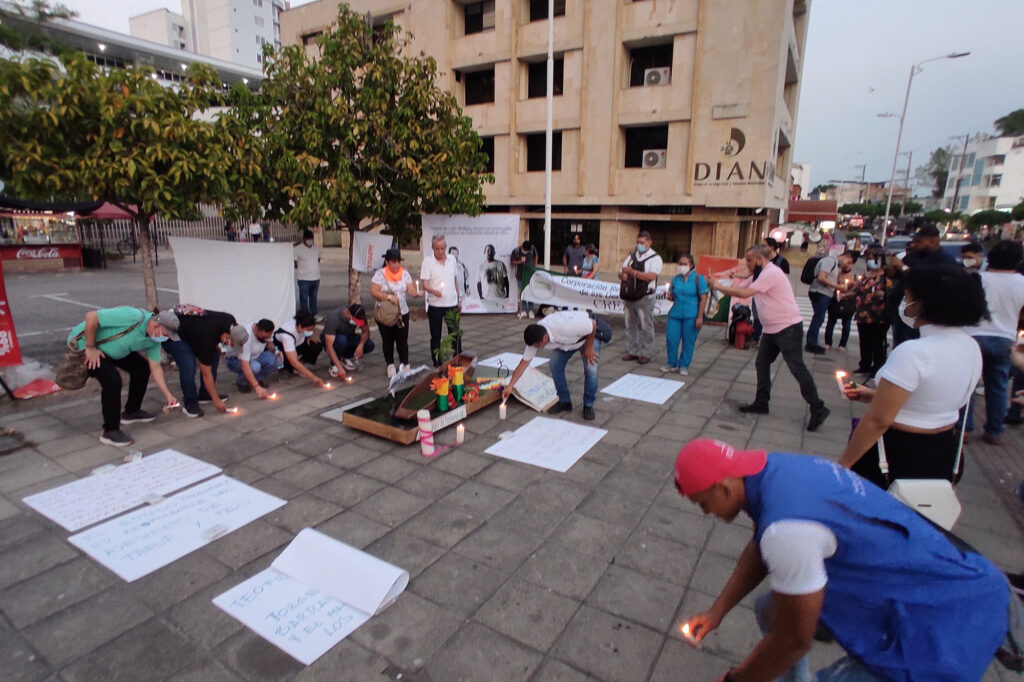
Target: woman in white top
x,y
915,409
394,284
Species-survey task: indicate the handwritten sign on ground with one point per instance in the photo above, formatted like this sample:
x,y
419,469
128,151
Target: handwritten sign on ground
x,y
510,360
548,443
89,500
535,389
142,541
647,389
314,595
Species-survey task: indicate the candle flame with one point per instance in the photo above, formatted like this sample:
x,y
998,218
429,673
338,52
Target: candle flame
x,y
685,629
840,374
327,385
273,396
233,410
348,380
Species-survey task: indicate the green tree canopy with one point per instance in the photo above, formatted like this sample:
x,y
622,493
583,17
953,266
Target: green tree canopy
x,y
1018,211
866,210
989,217
360,134
69,129
935,171
1011,124
20,22
940,216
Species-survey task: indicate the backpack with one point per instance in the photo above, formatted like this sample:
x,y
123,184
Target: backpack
x,y
807,274
634,289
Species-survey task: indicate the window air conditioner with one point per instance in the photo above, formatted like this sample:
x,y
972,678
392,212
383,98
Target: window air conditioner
x,y
654,158
660,76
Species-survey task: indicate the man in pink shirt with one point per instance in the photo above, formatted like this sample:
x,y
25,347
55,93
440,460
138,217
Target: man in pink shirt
x,y
783,332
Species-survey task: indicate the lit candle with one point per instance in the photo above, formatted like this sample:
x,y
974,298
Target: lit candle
x,y
233,410
348,380
840,375
502,411
272,396
327,385
460,434
1020,338
419,291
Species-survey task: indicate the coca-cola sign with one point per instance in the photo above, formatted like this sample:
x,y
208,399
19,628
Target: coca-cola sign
x,y
38,252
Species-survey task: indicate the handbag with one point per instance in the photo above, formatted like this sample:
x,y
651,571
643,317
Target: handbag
x,y
71,374
933,498
388,313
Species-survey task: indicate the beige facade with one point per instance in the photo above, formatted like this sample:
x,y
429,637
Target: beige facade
x,y
675,116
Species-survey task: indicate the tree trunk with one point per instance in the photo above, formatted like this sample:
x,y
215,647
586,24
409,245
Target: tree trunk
x,y
146,251
354,285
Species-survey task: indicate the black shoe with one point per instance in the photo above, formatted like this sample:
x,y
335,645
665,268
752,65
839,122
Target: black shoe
x,y
588,413
818,418
137,416
192,410
754,408
207,399
816,350
117,438
1013,420
560,408
244,388
262,384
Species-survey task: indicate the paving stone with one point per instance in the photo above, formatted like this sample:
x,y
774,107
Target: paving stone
x,y
630,594
678,656
348,661
86,459
563,570
501,546
590,536
553,491
429,483
660,558
528,613
148,652
728,540
249,542
17,529
20,662
462,463
607,647
301,512
477,653
200,621
404,550
391,506
459,584
273,460
675,523
735,636
278,488
178,580
556,671
511,476
348,489
38,470
353,529
206,671
388,468
249,655
349,456
442,525
58,588
478,499
34,555
408,632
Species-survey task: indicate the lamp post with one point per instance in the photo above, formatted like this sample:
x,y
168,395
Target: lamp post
x,y
914,70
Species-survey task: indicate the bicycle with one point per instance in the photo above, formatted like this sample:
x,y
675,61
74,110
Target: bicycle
x,y
128,246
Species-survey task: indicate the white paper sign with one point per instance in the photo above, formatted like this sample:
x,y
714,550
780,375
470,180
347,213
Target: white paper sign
x,y
510,361
549,443
646,389
89,500
146,539
535,390
314,595
368,249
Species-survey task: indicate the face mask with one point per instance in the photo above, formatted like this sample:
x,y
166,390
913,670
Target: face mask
x,y
972,263
224,347
873,264
684,270
307,334
159,339
909,320
641,248
307,242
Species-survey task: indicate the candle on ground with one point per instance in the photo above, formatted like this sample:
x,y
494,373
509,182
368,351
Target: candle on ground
x,y
460,434
502,411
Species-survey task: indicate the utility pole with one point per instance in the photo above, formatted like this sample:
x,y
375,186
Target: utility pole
x,y
906,192
860,190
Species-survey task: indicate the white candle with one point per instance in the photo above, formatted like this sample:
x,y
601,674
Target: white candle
x,y
502,411
419,291
460,434
840,375
426,434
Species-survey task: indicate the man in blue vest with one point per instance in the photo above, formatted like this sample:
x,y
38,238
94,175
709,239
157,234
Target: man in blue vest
x,y
847,560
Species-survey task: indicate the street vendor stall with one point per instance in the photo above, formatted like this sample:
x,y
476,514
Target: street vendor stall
x,y
31,241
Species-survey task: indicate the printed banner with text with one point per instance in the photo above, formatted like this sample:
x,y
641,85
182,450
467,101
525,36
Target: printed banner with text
x,y
10,353
561,291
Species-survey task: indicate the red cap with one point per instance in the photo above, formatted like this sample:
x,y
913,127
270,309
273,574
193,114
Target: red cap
x,y
704,462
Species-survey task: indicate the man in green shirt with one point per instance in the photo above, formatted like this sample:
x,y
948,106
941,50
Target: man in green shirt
x,y
124,338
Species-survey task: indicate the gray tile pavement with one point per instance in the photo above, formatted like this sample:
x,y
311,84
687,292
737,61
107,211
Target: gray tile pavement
x,y
516,572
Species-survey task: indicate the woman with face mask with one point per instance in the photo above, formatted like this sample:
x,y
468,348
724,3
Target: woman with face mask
x,y
296,346
870,294
393,284
688,292
915,409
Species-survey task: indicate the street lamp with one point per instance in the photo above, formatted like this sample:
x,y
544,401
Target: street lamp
x,y
914,70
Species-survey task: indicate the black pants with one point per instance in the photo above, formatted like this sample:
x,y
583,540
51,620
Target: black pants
x,y
308,351
110,381
839,311
788,342
872,346
912,455
435,316
395,336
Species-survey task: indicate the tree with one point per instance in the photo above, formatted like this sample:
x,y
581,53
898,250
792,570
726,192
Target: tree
x,y
69,130
1018,211
360,135
990,217
821,189
940,216
935,171
866,210
1011,124
909,207
20,24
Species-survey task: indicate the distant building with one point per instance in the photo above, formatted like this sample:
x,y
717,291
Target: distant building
x,y
234,30
800,176
162,26
990,174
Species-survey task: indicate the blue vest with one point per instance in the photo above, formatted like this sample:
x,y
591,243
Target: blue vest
x,y
900,597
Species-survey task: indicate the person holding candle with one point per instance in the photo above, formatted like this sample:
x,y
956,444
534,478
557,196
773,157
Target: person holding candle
x,y
346,338
253,358
776,257
440,281
295,340
845,562
688,292
639,278
870,295
573,255
393,285
915,408
843,305
200,336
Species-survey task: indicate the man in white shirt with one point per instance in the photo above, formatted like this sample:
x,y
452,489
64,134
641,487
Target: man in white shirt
x,y
565,333
444,296
1004,292
307,271
253,359
255,232
639,277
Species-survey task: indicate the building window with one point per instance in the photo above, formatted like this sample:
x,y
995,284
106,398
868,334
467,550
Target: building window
x,y
644,60
310,38
479,16
535,151
995,181
479,86
782,145
487,147
537,78
259,21
539,9
646,147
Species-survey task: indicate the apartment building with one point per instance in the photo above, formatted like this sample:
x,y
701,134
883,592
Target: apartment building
x,y
988,174
233,30
672,116
162,26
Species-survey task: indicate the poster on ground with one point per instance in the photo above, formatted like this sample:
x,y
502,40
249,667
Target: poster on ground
x,y
562,291
646,389
315,594
554,444
482,248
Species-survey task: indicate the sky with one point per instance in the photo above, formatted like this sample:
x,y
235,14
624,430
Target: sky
x,y
856,64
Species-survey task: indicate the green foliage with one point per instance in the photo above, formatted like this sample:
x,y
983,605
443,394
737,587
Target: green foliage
x,y
453,322
990,217
935,171
866,210
1018,211
20,22
1011,124
911,207
73,130
940,216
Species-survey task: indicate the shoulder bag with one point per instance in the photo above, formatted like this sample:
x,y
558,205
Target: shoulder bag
x,y
71,374
387,313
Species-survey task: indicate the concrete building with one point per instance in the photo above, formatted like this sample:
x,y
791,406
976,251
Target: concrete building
x,y
800,180
674,116
162,26
234,30
989,174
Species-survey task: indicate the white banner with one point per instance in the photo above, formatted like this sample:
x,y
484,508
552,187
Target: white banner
x,y
368,250
547,288
482,247
250,281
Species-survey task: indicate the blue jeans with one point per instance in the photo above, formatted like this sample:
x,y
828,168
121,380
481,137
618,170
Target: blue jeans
x,y
345,347
186,361
846,669
308,289
261,365
995,358
559,359
679,330
820,303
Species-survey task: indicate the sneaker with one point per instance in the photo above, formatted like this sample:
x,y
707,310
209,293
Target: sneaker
x,y
117,438
684,371
206,400
818,418
137,416
668,368
588,413
349,364
560,408
531,315
244,388
992,439
520,315
333,371
192,410
629,357
753,408
391,371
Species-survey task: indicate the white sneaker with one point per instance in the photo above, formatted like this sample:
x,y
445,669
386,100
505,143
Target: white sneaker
x,y
520,315
684,371
531,315
391,371
333,371
403,367
349,364
668,368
